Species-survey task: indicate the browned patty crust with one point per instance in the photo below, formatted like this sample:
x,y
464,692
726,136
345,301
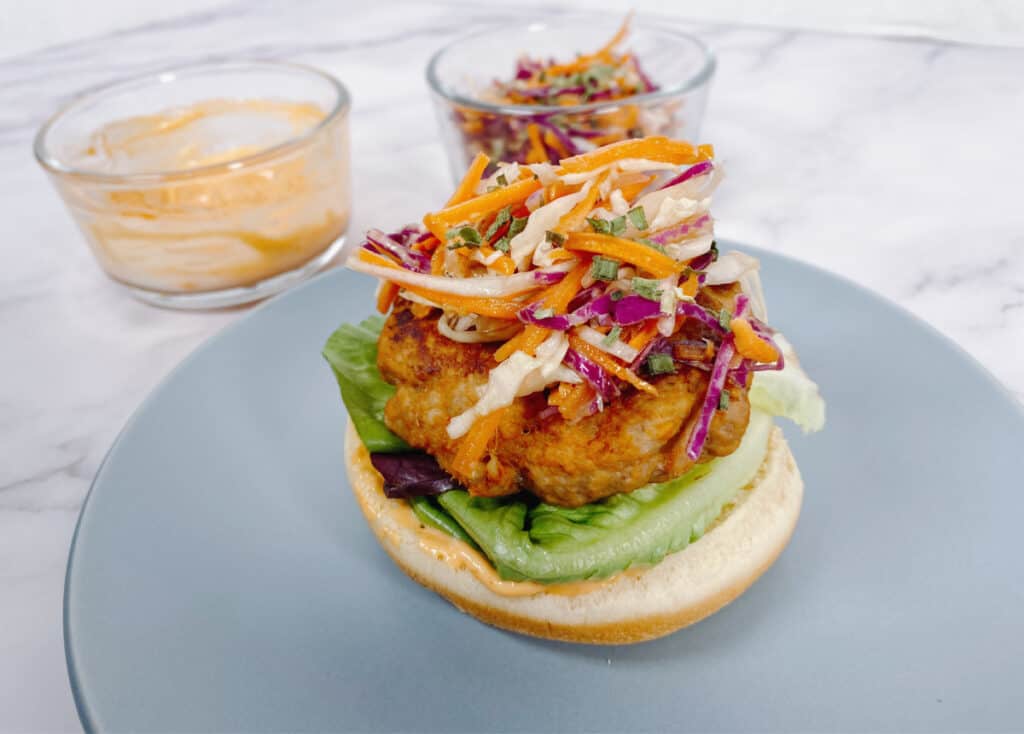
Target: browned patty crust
x,y
638,439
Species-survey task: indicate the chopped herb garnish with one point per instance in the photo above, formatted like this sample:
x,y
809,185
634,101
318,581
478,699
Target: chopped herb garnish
x,y
660,363
604,268
723,400
714,251
724,317
600,225
554,237
637,217
544,313
502,181
462,237
617,295
518,225
470,236
617,226
599,73
653,245
612,336
647,288
502,245
499,221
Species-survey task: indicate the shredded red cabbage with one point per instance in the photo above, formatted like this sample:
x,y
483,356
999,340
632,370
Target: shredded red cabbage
x,y
410,259
697,169
720,370
766,332
593,373
562,137
702,263
690,310
600,306
412,474
649,85
679,231
659,345
548,277
633,309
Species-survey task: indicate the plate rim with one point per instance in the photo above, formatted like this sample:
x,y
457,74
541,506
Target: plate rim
x,y
82,706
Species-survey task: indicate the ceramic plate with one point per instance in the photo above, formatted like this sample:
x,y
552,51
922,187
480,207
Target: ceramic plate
x,y
222,577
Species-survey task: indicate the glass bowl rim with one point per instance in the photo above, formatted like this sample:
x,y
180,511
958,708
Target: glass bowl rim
x,y
170,74
695,80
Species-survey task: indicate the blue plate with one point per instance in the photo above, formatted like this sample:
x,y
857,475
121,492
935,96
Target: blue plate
x,y
222,577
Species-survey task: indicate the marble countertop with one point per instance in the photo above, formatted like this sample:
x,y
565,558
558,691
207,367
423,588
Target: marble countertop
x,y
892,161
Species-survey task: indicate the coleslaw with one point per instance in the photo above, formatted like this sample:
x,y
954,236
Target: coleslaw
x,y
580,274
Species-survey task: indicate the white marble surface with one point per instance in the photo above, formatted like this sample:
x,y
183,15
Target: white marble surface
x,y
894,162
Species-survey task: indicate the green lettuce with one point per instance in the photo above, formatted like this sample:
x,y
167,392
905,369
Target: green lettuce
x,y
557,544
789,393
352,353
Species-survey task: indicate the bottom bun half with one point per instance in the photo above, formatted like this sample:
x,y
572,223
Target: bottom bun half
x,y
632,606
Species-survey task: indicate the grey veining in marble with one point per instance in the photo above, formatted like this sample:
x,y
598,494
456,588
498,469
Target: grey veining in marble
x,y
893,162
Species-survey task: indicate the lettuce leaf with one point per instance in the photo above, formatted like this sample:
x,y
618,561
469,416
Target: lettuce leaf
x,y
789,393
552,544
351,351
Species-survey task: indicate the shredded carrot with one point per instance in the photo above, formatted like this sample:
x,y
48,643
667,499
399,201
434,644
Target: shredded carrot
x,y
635,253
467,186
571,67
606,138
499,308
428,244
473,445
386,294
579,397
561,394
577,216
630,115
494,307
644,335
749,344
559,255
557,297
504,265
610,364
630,185
655,148
421,310
620,34
507,349
690,285
561,293
537,154
552,141
559,189
440,222
604,53
437,261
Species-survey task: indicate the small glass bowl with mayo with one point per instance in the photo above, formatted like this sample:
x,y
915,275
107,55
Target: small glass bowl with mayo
x,y
209,185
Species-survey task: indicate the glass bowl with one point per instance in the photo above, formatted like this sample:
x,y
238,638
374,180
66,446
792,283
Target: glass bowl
x,y
207,185
460,73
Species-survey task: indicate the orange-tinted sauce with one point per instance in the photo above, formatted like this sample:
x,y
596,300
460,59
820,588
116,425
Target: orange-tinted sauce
x,y
187,228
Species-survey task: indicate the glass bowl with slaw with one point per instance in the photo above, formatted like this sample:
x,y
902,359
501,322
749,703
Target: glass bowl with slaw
x,y
539,91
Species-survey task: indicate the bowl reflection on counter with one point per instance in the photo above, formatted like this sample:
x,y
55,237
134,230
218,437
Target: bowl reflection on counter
x,y
209,185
